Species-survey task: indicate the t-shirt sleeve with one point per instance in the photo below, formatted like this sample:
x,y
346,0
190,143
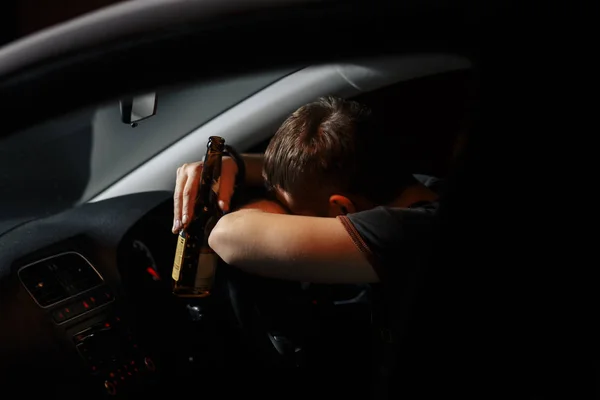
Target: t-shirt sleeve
x,y
389,237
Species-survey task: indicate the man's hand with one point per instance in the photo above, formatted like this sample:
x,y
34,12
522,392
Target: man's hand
x,y
186,190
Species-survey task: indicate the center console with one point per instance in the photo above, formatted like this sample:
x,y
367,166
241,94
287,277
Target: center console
x,y
113,356
88,318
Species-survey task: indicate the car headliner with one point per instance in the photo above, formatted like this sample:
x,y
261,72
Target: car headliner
x,y
115,22
120,43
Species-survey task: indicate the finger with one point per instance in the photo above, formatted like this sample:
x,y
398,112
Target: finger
x,y
188,200
225,194
177,199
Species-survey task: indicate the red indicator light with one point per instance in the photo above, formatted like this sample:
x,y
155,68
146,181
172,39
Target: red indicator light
x,y
153,273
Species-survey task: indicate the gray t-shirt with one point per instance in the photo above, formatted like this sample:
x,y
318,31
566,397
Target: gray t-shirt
x,y
394,240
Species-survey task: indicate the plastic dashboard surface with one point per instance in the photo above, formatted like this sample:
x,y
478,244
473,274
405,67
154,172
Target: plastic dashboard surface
x,y
49,340
82,316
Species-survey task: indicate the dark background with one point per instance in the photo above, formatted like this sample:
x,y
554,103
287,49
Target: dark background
x,y
22,17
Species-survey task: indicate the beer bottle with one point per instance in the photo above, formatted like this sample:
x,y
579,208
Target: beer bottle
x,y
195,262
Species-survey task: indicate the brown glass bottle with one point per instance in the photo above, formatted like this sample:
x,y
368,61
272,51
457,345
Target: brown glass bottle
x,y
195,262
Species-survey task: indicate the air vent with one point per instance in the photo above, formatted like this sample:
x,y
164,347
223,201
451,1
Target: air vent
x,y
57,278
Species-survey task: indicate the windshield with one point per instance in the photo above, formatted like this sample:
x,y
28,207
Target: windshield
x,y
69,160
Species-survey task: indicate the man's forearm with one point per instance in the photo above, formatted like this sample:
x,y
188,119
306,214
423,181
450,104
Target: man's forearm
x,y
254,164
283,246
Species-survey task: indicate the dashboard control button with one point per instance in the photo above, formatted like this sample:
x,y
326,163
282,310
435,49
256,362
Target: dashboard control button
x,y
64,313
107,295
59,315
76,308
70,310
99,297
96,298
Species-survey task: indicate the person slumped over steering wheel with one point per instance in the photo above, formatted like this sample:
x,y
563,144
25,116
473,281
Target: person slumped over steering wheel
x,y
336,217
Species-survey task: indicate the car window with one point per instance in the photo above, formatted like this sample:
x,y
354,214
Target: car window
x,y
68,160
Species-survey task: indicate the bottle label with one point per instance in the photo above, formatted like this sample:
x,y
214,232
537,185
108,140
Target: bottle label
x,y
207,264
181,242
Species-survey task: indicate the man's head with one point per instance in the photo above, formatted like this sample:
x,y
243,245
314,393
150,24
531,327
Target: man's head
x,y
327,159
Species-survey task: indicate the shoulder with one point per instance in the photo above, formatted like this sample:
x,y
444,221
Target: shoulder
x,y
392,218
388,234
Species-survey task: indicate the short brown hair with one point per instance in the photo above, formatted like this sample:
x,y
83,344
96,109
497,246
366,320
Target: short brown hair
x,y
333,144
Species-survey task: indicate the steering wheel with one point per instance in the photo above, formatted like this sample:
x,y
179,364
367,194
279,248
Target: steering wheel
x,y
271,313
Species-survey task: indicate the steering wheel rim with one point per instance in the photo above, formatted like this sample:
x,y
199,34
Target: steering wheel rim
x,y
246,293
249,295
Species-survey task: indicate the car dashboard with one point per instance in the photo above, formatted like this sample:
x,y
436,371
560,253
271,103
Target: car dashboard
x,y
86,309
66,320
